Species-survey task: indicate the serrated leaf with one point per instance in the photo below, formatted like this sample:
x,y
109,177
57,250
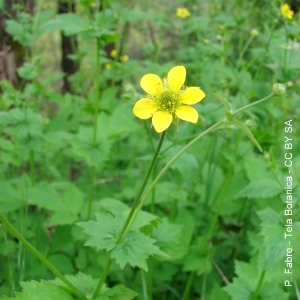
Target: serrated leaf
x,y
19,33
248,273
264,188
238,290
113,206
62,198
271,292
34,290
118,292
105,232
121,120
269,216
273,235
144,218
83,282
94,153
168,239
194,262
137,247
28,71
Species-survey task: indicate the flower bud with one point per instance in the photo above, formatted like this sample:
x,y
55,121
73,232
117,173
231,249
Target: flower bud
x,y
279,89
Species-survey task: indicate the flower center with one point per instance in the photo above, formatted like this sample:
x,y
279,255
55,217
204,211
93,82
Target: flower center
x,y
168,100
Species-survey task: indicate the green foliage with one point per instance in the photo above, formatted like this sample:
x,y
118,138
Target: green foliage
x,y
36,290
134,249
264,188
246,285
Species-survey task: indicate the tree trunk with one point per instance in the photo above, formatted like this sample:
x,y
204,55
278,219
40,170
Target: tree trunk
x,y
68,44
12,54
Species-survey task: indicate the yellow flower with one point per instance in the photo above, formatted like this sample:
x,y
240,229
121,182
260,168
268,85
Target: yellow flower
x,y
286,11
124,58
168,100
107,66
113,53
182,12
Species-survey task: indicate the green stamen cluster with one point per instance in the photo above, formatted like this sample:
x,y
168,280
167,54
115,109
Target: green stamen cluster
x,y
168,100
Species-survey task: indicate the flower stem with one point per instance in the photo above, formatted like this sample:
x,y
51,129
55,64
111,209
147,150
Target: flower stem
x,y
186,293
143,200
139,203
192,142
242,53
137,200
261,279
40,256
97,91
102,278
133,208
253,103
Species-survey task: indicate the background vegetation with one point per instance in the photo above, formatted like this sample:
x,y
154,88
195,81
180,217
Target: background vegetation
x,y
73,156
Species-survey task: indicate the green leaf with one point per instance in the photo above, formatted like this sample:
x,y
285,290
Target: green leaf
x,y
113,206
28,71
105,232
168,191
118,292
34,290
87,285
273,234
168,239
256,167
69,23
121,120
271,291
18,32
9,197
94,153
83,282
143,219
136,248
64,199
238,290
265,188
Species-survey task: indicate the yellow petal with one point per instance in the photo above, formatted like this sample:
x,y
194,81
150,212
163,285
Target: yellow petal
x,y
144,108
161,120
187,113
151,84
176,77
192,95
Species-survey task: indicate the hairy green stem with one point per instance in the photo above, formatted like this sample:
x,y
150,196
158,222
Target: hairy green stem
x,y
258,288
102,278
91,192
253,103
143,200
192,142
186,293
243,51
137,200
133,208
40,256
97,91
139,203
